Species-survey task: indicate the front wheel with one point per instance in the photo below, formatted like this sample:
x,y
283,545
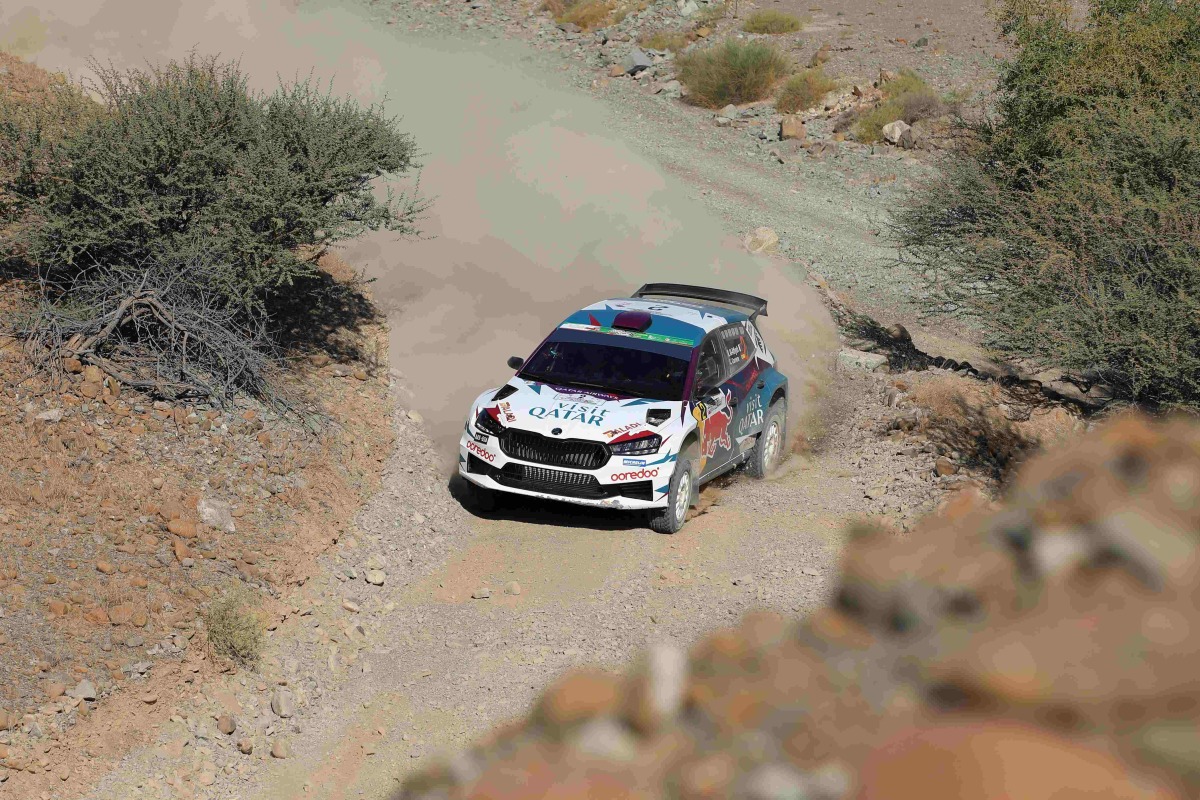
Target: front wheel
x,y
768,450
679,498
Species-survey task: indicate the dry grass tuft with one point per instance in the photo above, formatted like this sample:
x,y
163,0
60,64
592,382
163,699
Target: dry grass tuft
x,y
732,72
667,40
804,90
769,20
234,629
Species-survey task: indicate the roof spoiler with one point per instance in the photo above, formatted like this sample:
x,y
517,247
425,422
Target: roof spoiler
x,y
756,305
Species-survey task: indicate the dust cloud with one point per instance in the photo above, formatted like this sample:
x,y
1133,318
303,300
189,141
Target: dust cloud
x,y
537,208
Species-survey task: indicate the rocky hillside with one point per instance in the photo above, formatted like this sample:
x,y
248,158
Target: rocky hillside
x,y
123,519
1037,649
861,47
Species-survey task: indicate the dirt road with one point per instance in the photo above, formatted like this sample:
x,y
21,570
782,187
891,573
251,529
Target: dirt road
x,y
387,676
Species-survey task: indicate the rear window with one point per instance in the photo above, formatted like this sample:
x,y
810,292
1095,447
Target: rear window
x,y
610,367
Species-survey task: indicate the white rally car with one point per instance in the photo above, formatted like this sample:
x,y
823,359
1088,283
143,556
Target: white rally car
x,y
632,404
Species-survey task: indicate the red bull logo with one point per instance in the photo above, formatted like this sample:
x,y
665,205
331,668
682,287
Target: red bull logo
x,y
716,433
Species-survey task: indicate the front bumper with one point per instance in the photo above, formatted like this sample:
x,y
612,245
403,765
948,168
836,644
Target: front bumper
x,y
485,464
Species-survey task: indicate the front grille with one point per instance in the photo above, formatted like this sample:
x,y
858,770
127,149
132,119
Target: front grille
x,y
525,472
550,481
576,453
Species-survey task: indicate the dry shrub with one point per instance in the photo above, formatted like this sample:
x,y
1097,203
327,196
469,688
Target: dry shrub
x,y
989,428
587,14
732,72
667,40
907,97
711,15
769,20
804,90
234,629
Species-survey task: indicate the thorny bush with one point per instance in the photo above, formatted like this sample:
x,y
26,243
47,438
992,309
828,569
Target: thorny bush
x,y
185,153
1069,224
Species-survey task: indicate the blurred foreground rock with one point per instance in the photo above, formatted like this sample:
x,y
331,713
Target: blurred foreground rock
x,y
1043,649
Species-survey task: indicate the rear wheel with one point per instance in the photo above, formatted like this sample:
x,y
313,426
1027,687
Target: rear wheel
x,y
768,450
679,497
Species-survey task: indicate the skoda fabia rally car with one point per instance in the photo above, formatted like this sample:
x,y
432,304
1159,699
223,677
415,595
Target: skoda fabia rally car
x,y
632,404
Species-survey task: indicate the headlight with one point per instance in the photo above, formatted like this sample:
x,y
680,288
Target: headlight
x,y
485,423
646,445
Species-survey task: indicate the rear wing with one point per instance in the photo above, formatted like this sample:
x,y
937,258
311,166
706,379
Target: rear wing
x,y
755,305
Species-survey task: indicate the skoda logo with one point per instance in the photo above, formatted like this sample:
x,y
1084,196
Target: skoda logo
x,y
555,431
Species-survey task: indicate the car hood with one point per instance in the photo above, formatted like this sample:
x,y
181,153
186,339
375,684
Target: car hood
x,y
577,413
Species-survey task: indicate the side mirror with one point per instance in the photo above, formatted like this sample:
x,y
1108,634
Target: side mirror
x,y
516,362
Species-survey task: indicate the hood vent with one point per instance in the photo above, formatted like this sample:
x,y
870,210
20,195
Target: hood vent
x,y
505,391
657,416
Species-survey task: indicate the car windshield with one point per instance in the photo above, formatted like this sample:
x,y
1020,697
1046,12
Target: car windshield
x,y
610,368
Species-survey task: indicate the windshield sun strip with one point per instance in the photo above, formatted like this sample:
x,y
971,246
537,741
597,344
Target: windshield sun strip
x,y
650,337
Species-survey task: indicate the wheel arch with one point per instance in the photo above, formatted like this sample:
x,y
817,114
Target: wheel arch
x,y
779,391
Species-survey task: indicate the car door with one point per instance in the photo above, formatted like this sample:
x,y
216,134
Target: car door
x,y
741,386
710,406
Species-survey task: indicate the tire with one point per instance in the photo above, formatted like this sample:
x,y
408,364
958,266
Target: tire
x,y
679,497
482,498
768,450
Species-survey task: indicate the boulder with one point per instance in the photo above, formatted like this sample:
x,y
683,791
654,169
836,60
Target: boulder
x,y
216,514
636,61
894,131
792,127
84,691
283,703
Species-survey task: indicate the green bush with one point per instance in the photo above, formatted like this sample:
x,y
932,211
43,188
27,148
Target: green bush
x,y
234,629
188,148
1068,223
804,90
769,20
38,110
188,197
906,97
732,72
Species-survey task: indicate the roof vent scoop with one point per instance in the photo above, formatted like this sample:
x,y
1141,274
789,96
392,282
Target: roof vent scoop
x,y
632,321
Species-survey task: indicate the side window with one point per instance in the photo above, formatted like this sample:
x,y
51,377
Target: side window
x,y
710,367
735,350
